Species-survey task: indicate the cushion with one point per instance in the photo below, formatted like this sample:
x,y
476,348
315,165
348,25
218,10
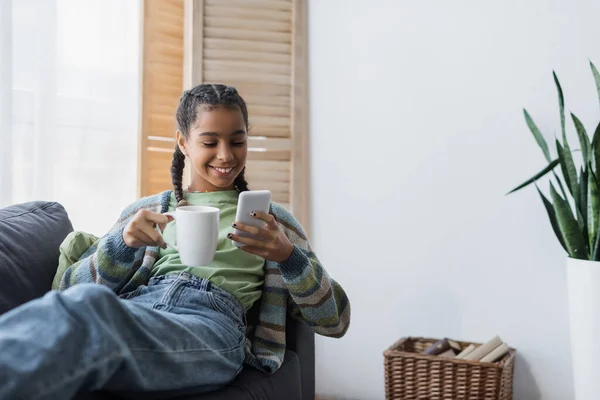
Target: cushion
x,y
71,249
30,236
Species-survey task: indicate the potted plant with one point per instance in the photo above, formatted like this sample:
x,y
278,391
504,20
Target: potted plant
x,y
574,213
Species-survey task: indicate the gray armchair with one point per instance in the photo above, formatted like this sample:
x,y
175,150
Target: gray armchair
x,y
30,235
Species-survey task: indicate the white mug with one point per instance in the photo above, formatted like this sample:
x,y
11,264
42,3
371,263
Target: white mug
x,y
196,234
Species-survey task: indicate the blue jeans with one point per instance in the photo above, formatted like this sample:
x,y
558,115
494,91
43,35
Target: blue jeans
x,y
177,335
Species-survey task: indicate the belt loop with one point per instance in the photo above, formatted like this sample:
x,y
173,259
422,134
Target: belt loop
x,y
183,275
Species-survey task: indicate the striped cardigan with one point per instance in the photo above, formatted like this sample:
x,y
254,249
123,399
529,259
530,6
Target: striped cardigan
x,y
299,285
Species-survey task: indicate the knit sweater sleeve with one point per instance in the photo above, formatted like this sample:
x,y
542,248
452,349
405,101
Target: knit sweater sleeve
x,y
317,299
110,261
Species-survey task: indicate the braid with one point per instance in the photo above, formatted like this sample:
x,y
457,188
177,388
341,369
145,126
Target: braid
x,y
208,96
177,166
240,182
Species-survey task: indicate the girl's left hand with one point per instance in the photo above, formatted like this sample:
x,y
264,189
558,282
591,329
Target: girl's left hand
x,y
271,243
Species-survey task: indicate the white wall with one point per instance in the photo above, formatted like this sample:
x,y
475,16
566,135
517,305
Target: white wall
x,y
416,135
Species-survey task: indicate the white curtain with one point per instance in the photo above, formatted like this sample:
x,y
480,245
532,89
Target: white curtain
x,y
69,106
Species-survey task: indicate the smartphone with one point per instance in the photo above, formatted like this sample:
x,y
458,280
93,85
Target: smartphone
x,y
251,201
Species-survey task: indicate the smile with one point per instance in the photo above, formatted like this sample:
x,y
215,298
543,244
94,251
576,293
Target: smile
x,y
222,171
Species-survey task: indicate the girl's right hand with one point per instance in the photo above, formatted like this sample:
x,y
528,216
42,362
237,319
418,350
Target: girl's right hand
x,y
141,230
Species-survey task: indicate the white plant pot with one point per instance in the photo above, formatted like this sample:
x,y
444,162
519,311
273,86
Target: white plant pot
x,y
583,279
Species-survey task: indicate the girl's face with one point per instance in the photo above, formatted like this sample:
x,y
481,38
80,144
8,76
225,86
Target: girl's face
x,y
217,146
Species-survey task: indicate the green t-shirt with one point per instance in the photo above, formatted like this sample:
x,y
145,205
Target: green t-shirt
x,y
233,270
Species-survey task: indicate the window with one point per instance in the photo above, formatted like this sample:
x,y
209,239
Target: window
x,y
69,106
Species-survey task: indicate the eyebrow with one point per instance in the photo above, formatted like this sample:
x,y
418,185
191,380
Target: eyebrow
x,y
238,132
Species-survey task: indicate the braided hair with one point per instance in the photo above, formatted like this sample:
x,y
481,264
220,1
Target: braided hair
x,y
210,95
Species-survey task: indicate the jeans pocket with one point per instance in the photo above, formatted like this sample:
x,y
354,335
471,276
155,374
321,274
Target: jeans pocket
x,y
133,293
222,307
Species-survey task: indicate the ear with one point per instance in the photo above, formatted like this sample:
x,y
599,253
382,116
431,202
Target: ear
x,y
181,142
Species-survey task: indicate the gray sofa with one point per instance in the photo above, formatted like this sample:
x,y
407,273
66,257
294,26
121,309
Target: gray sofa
x,y
30,235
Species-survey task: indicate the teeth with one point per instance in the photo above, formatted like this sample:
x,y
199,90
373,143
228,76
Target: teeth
x,y
223,170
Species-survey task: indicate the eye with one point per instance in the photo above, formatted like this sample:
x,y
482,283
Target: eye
x,y
239,143
209,144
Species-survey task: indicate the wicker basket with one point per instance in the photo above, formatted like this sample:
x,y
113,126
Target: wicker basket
x,y
411,376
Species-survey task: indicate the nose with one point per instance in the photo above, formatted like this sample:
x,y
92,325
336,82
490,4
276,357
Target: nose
x,y
225,154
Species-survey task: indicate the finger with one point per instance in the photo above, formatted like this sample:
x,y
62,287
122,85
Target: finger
x,y
247,241
156,218
261,233
142,239
156,239
268,218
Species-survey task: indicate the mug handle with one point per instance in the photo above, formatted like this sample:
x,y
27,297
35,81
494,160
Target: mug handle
x,y
160,232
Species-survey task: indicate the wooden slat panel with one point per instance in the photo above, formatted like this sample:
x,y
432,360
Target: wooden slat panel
x,y
277,166
273,186
300,171
271,121
269,131
246,34
259,100
166,17
156,74
229,54
165,50
264,4
269,155
214,9
261,89
163,119
260,67
162,105
160,179
162,72
268,175
280,197
162,144
270,144
169,29
268,111
157,187
246,45
238,23
158,161
172,5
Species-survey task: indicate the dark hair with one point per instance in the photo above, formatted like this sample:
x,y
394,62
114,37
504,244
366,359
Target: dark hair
x,y
210,96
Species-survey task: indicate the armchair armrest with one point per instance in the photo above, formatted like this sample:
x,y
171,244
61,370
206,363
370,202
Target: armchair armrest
x,y
301,340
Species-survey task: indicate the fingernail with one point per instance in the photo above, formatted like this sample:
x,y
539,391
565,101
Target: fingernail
x,y
234,225
229,236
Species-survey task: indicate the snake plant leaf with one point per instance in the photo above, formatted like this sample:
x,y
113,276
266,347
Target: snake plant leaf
x,y
537,176
537,135
582,211
576,246
593,207
561,104
552,216
569,172
560,185
584,140
596,148
596,78
583,205
596,249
